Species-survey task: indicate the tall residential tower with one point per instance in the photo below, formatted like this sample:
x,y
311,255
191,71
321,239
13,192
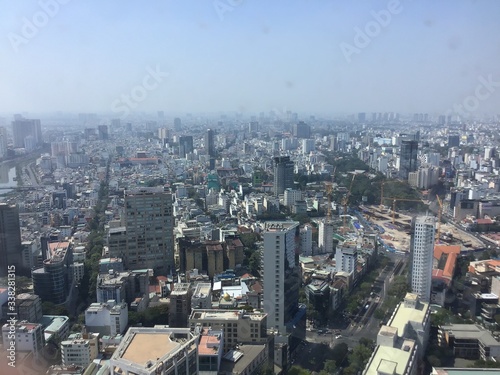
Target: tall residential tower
x,y
421,256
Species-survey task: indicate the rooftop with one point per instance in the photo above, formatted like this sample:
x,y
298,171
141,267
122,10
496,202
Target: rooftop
x,y
146,347
200,314
404,315
471,331
399,358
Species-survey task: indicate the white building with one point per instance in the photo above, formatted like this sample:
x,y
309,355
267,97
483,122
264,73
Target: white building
x,y
308,145
281,282
421,256
325,236
306,240
202,296
107,318
346,257
291,196
79,349
28,337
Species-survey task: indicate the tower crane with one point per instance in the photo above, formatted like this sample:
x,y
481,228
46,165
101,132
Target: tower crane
x,y
345,200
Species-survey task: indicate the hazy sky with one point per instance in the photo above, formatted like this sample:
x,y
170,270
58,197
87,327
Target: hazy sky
x,y
249,55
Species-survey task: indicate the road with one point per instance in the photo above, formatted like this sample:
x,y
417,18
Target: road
x,y
363,324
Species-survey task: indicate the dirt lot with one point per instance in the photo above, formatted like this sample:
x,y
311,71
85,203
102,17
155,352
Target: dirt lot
x,y
397,235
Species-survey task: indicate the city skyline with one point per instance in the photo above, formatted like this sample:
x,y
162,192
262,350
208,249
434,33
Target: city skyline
x,y
309,57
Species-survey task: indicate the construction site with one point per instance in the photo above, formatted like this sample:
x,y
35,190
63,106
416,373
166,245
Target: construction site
x,y
394,228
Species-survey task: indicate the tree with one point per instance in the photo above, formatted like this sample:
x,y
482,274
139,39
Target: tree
x,y
434,361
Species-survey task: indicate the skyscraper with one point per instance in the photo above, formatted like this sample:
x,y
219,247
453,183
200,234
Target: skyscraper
x,y
10,238
421,256
325,236
301,130
283,174
210,142
149,227
185,145
24,128
281,276
408,158
177,124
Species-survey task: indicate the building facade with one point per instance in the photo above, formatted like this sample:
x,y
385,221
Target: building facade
x,y
281,274
421,256
150,225
283,174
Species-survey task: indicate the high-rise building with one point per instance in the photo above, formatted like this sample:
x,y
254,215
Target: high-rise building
x,y
210,142
180,305
408,158
346,257
283,174
453,140
325,236
177,124
281,275
149,228
361,117
103,132
185,145
51,282
23,129
301,130
10,238
3,141
421,256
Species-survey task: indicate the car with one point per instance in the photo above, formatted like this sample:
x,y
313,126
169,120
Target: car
x,y
338,336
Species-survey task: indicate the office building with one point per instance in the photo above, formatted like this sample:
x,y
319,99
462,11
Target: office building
x,y
28,337
281,275
10,238
325,236
238,326
421,256
291,196
24,129
402,342
51,281
28,307
202,296
125,286
185,145
79,350
408,157
210,143
180,305
453,140
158,350
149,226
301,130
103,132
177,124
306,244
3,141
346,257
283,174
469,341
108,318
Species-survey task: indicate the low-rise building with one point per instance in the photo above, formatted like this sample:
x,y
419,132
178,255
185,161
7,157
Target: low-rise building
x,y
469,341
238,326
202,296
79,349
107,318
158,350
28,337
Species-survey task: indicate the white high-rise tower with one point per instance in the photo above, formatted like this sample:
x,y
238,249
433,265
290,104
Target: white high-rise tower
x,y
421,255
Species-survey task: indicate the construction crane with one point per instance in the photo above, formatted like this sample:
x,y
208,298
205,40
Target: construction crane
x,y
440,212
344,203
329,188
394,205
